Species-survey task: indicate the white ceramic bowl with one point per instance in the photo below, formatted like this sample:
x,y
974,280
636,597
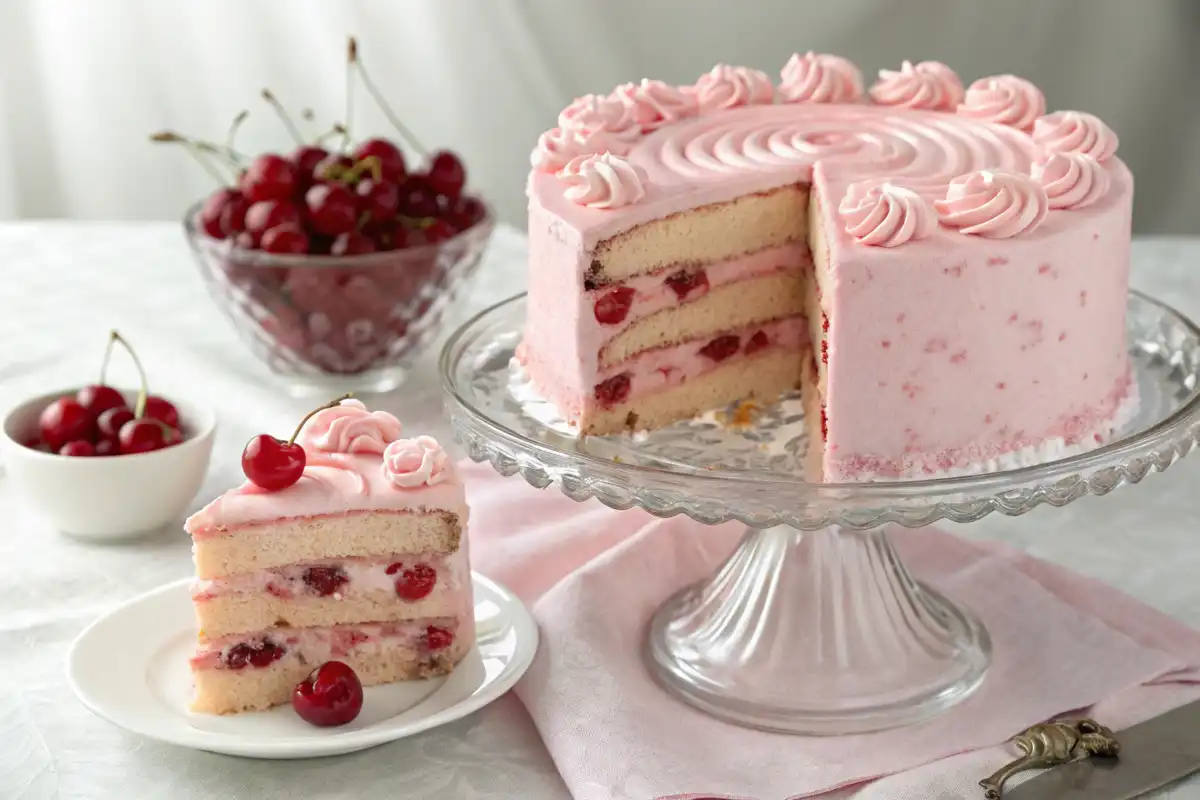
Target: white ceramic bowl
x,y
112,497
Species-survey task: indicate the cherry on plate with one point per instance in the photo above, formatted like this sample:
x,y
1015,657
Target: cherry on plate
x,y
331,695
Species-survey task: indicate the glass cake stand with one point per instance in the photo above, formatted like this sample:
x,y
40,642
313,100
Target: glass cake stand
x,y
813,625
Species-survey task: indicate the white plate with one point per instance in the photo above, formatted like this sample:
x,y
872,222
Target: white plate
x,y
131,668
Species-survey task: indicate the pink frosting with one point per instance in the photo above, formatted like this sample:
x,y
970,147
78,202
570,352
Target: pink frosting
x,y
349,428
409,463
929,85
556,147
1071,180
820,78
654,103
593,112
1004,99
1075,132
997,205
886,215
603,181
729,87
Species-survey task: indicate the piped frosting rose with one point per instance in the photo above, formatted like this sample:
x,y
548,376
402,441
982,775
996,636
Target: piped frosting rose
x,y
996,205
1075,132
409,463
1071,180
349,428
929,85
654,103
603,181
820,78
1005,100
729,87
556,147
886,215
594,113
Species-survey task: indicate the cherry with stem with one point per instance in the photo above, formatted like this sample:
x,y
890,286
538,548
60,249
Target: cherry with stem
x,y
354,62
273,464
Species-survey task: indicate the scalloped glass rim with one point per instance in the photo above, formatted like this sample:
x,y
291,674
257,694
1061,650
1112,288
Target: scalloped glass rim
x,y
706,495
257,258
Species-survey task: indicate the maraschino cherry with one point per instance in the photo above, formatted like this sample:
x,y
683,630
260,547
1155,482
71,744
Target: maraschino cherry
x,y
331,695
274,464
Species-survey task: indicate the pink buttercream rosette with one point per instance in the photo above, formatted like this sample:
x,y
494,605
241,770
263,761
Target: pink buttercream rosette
x,y
349,428
409,463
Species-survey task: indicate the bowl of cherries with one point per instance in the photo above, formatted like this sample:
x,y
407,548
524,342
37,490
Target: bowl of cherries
x,y
103,463
337,264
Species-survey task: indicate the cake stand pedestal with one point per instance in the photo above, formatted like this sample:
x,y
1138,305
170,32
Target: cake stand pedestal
x,y
813,625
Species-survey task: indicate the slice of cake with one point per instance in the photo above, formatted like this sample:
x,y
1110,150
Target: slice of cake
x,y
362,560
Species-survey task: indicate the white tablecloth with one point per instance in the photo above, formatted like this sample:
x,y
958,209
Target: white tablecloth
x,y
64,285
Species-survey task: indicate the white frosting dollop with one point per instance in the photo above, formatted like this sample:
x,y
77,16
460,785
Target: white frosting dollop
x,y
1075,132
654,103
603,181
729,87
349,428
409,463
1005,100
997,205
820,78
594,113
1071,180
886,215
929,85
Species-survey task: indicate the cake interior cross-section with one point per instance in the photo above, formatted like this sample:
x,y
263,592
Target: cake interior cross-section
x,y
941,271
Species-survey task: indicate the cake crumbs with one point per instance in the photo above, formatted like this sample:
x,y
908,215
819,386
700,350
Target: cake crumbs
x,y
742,416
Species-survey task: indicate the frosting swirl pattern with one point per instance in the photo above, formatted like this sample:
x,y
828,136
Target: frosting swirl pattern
x,y
729,87
556,147
593,113
654,103
1005,100
886,215
820,78
409,463
929,85
349,428
1071,180
1075,132
603,181
997,205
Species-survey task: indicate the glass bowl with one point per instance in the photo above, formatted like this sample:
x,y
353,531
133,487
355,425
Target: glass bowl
x,y
338,323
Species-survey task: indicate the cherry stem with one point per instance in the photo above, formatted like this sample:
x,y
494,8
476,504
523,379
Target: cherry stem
x,y
108,348
337,129
170,137
233,129
351,58
144,391
356,62
292,130
314,412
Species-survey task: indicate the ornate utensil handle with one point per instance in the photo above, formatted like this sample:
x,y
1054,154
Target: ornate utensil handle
x,y
1050,744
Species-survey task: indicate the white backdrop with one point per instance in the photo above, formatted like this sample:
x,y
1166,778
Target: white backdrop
x,y
84,83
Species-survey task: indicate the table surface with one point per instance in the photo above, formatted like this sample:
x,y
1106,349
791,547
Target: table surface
x,y
66,284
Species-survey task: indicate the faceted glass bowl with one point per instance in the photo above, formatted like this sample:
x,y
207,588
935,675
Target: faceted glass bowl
x,y
331,324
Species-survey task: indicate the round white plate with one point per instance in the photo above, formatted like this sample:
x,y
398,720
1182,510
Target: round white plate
x,y
131,668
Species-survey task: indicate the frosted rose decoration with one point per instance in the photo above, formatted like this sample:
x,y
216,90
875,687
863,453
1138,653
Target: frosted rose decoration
x,y
349,428
409,463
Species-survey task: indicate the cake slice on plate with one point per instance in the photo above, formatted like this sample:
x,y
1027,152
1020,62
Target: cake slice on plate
x,y
363,560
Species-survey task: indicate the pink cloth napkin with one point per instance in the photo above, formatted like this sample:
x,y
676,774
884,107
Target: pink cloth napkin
x,y
593,576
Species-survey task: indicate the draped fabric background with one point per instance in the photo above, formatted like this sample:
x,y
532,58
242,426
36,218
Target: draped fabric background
x,y
84,83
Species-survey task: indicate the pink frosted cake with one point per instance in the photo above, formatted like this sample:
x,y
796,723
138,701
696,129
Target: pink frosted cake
x,y
942,271
363,560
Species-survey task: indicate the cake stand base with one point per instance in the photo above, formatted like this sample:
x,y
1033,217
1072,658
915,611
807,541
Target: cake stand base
x,y
816,632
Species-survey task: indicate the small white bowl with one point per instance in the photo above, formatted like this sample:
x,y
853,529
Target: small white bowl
x,y
110,497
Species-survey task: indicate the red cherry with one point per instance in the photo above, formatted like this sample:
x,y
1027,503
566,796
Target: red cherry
x,y
108,447
305,159
269,177
684,282
352,244
415,583
467,211
162,410
271,463
325,581
614,390
439,231
110,422
143,435
721,347
98,399
438,638
331,695
331,208
418,199
757,342
212,210
613,307
446,174
78,448
406,238
233,214
391,160
286,240
65,420
378,200
265,654
331,167
263,216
